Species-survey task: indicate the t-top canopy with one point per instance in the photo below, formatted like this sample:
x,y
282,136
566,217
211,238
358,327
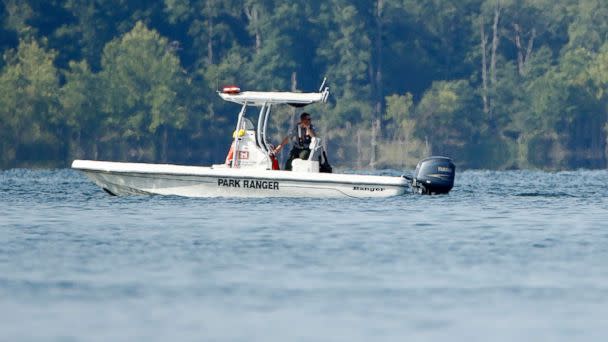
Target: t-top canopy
x,y
259,98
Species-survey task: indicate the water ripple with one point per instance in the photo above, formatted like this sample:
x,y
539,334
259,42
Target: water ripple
x,y
513,255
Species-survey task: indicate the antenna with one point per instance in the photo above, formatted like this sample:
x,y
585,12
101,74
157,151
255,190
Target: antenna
x,y
323,84
325,94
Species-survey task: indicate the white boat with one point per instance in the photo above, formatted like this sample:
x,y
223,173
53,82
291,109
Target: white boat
x,y
248,171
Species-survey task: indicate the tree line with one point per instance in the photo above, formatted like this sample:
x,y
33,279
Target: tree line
x,y
495,84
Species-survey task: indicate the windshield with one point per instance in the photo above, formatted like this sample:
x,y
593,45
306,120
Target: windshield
x,y
247,125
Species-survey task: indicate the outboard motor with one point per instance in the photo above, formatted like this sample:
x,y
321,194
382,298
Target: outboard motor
x,y
434,175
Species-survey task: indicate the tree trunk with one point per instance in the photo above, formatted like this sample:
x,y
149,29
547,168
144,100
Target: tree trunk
x,y
374,142
77,150
377,81
530,46
378,77
484,69
488,105
210,41
523,56
520,53
253,16
495,43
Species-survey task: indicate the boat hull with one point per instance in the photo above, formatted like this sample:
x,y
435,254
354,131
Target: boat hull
x,y
193,181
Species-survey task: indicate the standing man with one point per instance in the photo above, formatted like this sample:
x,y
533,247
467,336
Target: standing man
x,y
301,137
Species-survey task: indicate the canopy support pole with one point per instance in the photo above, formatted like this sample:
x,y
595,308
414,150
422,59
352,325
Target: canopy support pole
x,y
265,125
260,131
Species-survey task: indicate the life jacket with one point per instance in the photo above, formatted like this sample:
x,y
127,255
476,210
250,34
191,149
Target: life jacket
x,y
303,140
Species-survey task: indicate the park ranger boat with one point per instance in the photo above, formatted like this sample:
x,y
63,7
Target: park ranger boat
x,y
251,170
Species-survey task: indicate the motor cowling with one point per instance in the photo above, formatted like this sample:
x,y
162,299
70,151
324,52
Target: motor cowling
x,y
434,175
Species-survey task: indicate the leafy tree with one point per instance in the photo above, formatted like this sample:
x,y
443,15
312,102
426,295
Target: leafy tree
x,y
94,23
589,28
598,71
277,28
399,112
80,99
143,78
18,13
448,121
402,146
209,26
29,105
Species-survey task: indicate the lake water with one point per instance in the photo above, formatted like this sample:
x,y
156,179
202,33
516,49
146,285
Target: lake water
x,y
506,256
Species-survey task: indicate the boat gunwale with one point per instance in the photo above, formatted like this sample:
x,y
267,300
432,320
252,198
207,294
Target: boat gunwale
x,y
325,181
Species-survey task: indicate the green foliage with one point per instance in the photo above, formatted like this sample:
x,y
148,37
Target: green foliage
x,y
29,112
80,100
598,72
589,28
399,114
143,77
493,84
444,114
346,50
401,148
